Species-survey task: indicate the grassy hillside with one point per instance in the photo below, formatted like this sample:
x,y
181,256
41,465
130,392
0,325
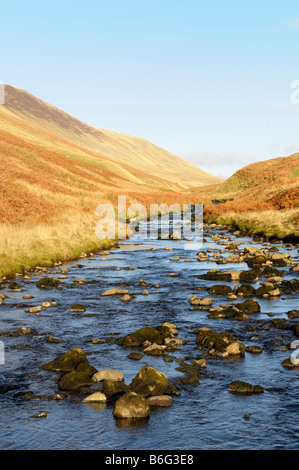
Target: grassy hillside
x,y
124,149
262,198
50,188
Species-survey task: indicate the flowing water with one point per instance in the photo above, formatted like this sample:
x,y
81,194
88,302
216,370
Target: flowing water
x,y
203,417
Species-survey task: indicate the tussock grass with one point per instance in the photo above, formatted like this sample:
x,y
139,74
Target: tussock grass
x,y
26,246
269,223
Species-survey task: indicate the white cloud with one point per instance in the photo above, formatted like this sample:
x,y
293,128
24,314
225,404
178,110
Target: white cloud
x,y
220,164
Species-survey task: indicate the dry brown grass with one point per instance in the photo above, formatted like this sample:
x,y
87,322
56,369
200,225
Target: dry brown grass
x,y
262,197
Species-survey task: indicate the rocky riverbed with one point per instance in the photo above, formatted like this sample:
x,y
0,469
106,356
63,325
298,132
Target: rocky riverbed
x,y
152,346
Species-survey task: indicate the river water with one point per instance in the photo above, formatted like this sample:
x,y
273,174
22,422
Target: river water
x,y
203,417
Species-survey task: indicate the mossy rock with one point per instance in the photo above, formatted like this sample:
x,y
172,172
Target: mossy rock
x,y
77,308
241,317
14,285
293,314
204,334
246,290
269,271
257,260
48,283
295,328
220,290
191,375
230,312
131,406
244,388
291,286
265,290
281,324
135,356
254,349
78,378
165,332
247,277
216,275
249,306
151,382
67,362
136,339
290,364
216,315
114,388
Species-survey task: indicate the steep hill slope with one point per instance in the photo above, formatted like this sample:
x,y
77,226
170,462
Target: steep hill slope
x,y
124,149
51,186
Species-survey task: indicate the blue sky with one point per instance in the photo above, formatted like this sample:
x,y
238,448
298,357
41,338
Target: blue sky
x,y
209,81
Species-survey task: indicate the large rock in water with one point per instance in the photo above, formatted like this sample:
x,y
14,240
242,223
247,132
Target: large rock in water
x,y
136,339
114,388
219,344
80,377
68,361
151,382
244,388
131,405
48,283
249,306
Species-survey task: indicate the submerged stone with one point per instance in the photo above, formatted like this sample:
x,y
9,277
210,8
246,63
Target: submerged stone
x,y
244,388
48,283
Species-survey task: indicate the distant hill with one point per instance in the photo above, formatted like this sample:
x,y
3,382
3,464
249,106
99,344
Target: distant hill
x,y
260,198
131,151
271,184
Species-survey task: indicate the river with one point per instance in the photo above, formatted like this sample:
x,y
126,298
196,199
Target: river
x,y
203,417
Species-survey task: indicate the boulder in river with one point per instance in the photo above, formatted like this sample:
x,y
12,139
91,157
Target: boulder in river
x,y
114,291
114,388
77,308
151,382
131,406
48,283
219,344
293,314
245,290
254,349
67,362
291,286
252,275
78,378
162,401
244,388
249,306
220,290
136,339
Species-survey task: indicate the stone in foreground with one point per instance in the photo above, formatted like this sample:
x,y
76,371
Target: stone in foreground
x,y
151,382
67,362
132,406
244,388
